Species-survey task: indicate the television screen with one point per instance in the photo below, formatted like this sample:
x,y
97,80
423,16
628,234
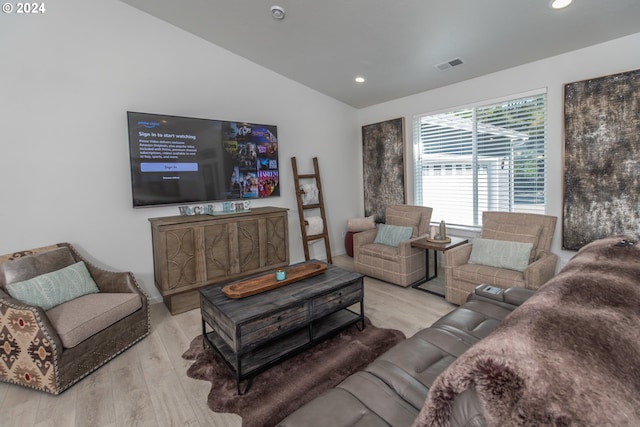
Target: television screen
x,y
177,160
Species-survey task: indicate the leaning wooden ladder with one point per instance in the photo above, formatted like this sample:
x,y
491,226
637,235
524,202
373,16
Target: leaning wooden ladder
x,y
302,208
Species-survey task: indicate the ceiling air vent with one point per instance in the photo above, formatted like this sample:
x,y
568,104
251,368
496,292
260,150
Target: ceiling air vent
x,y
449,64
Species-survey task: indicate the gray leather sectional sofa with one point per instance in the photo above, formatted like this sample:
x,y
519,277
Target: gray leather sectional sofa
x,y
392,390
563,355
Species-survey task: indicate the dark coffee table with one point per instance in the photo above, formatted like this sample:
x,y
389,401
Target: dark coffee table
x,y
250,334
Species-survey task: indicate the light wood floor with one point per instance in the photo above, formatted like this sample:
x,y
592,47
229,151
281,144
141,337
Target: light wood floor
x,y
147,384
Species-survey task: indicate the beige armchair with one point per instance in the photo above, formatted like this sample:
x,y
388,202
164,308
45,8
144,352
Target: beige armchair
x,y
461,277
53,345
402,265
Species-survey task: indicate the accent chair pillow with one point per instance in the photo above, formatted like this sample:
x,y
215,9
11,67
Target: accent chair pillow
x,y
52,289
500,253
392,235
525,233
357,225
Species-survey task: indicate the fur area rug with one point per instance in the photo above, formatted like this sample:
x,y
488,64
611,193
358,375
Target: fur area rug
x,y
283,388
569,356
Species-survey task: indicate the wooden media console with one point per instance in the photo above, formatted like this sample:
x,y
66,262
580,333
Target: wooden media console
x,y
191,252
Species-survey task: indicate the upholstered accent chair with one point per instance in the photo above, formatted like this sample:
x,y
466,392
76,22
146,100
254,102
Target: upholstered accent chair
x,y
402,264
461,276
53,345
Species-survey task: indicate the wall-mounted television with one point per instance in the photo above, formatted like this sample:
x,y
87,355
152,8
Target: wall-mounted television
x,y
179,160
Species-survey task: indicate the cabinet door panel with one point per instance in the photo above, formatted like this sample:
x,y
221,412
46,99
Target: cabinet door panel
x,y
217,251
181,257
277,240
248,245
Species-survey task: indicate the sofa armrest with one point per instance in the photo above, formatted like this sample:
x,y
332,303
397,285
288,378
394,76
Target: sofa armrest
x,y
114,282
517,296
457,256
25,322
509,298
364,238
31,344
109,281
405,249
38,313
541,270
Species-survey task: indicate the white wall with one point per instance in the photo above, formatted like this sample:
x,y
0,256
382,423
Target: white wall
x,y
551,73
66,81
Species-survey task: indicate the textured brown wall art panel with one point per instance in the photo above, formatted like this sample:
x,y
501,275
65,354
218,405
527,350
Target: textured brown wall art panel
x,y
383,166
601,158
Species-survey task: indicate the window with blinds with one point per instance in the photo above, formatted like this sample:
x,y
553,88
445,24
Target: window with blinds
x,y
484,158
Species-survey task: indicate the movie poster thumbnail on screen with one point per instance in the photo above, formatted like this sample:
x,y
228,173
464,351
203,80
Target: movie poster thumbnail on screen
x,y
254,150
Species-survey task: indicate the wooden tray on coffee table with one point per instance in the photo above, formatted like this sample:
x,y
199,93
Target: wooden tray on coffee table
x,y
266,282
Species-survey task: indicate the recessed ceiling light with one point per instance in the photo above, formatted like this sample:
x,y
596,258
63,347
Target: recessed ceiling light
x,y
559,4
360,79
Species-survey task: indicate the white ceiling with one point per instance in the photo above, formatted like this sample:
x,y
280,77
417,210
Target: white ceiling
x,y
395,44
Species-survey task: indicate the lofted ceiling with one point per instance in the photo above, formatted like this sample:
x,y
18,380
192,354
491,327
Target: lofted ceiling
x,y
395,44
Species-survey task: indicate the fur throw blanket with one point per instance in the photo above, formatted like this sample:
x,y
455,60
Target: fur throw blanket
x,y
569,356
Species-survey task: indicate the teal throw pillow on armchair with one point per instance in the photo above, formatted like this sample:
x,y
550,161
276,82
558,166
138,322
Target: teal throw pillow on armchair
x,y
392,235
55,288
501,254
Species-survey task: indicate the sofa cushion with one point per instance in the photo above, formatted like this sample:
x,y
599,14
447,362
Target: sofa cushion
x,y
379,398
501,254
477,273
392,235
380,251
405,218
85,316
54,288
345,411
473,321
410,367
525,233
